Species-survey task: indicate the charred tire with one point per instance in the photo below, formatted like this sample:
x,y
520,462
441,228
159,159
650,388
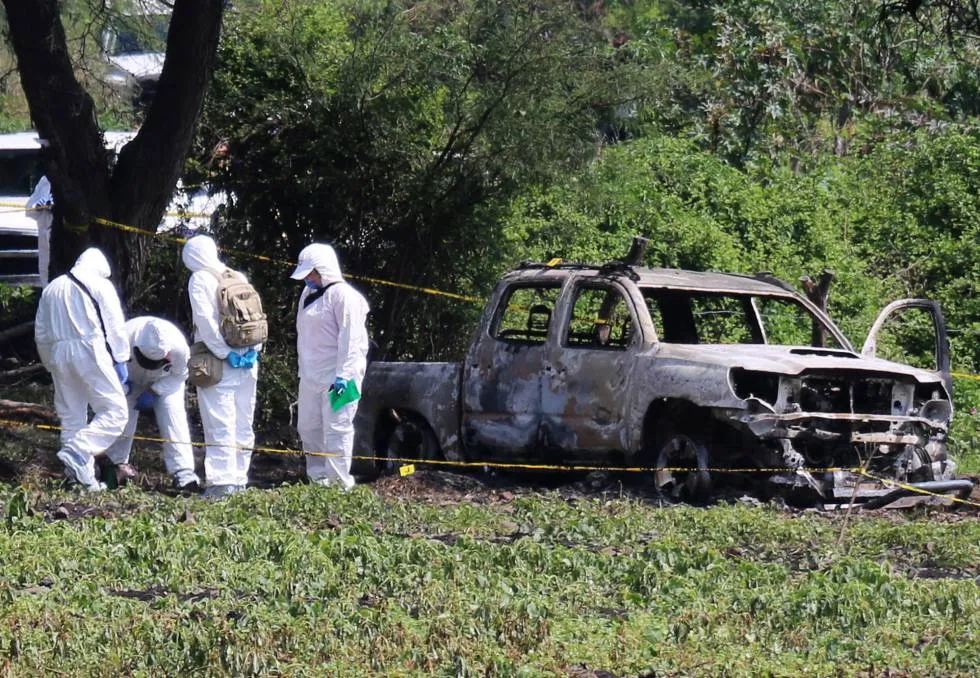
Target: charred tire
x,y
683,462
411,439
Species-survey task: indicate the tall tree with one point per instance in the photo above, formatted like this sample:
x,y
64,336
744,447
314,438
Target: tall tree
x,y
400,130
88,186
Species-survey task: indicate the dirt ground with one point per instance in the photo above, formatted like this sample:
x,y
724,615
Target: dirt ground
x,y
27,457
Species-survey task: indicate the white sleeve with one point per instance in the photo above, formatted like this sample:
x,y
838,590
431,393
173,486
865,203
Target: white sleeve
x,y
204,309
352,336
112,317
41,337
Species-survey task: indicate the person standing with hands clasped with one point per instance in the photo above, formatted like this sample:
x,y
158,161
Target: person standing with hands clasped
x,y
229,328
332,346
81,340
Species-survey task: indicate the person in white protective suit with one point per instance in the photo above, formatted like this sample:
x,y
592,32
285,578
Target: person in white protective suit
x,y
157,372
80,336
332,346
39,208
228,407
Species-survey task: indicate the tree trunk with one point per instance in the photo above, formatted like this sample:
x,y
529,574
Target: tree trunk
x,y
818,292
87,187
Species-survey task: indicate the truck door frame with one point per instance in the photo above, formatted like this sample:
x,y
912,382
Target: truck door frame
x,y
502,377
586,392
940,341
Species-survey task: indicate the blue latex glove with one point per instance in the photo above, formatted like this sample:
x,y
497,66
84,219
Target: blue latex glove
x,y
243,360
339,386
122,371
146,401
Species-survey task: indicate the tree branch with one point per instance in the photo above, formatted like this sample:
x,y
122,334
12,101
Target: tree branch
x,y
10,408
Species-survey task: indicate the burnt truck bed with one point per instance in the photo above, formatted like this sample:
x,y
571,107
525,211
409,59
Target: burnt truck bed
x,y
684,371
429,391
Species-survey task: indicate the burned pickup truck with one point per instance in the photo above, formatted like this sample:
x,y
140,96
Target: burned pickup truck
x,y
704,377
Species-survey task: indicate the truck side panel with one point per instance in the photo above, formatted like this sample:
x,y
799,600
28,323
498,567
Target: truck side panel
x,y
428,389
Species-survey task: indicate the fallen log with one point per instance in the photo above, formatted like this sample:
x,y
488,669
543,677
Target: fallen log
x,y
19,372
21,411
17,330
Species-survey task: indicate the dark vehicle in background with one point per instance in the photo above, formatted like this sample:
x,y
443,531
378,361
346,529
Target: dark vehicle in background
x,y
688,372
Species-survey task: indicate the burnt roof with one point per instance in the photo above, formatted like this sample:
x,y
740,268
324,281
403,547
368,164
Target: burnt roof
x,y
668,278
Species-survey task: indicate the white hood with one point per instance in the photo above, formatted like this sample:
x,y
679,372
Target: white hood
x,y
92,263
321,258
151,342
200,253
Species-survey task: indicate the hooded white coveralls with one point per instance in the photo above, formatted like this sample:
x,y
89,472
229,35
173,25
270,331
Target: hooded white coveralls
x,y
331,342
72,346
41,198
228,407
157,339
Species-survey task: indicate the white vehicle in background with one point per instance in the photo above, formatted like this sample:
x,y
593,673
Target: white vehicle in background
x,y
20,173
26,200
134,42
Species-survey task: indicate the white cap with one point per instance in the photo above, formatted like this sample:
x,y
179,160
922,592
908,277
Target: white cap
x,y
320,257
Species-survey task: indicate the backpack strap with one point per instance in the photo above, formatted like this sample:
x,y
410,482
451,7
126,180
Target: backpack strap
x,y
98,311
218,275
319,293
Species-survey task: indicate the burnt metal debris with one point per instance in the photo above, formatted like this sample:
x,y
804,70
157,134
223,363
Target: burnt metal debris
x,y
625,365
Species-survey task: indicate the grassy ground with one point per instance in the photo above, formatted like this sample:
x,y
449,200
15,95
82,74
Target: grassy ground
x,y
449,575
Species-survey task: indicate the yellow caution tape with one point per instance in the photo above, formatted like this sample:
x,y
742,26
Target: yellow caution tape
x,y
18,207
283,262
409,463
964,375
888,482
21,208
553,262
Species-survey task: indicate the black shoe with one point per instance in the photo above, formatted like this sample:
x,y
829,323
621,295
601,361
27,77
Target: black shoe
x,y
192,487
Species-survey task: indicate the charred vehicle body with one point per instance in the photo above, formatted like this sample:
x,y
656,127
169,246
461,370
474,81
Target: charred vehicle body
x,y
686,372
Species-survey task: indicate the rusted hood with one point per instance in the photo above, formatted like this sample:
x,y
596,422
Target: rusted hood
x,y
786,360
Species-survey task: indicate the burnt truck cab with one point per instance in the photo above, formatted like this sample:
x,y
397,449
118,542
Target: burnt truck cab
x,y
688,372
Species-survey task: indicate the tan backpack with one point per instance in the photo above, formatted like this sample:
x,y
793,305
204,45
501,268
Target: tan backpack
x,y
240,317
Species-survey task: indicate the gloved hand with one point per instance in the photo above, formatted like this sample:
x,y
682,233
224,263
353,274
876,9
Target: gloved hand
x,y
146,401
339,386
250,358
243,360
122,371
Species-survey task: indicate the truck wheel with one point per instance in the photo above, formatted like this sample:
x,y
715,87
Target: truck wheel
x,y
682,464
412,439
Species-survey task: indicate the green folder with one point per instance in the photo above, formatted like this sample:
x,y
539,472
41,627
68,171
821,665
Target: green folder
x,y
349,395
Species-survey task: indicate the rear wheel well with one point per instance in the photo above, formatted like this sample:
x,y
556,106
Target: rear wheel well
x,y
416,439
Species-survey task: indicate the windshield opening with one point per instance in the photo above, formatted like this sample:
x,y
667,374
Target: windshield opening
x,y
696,317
